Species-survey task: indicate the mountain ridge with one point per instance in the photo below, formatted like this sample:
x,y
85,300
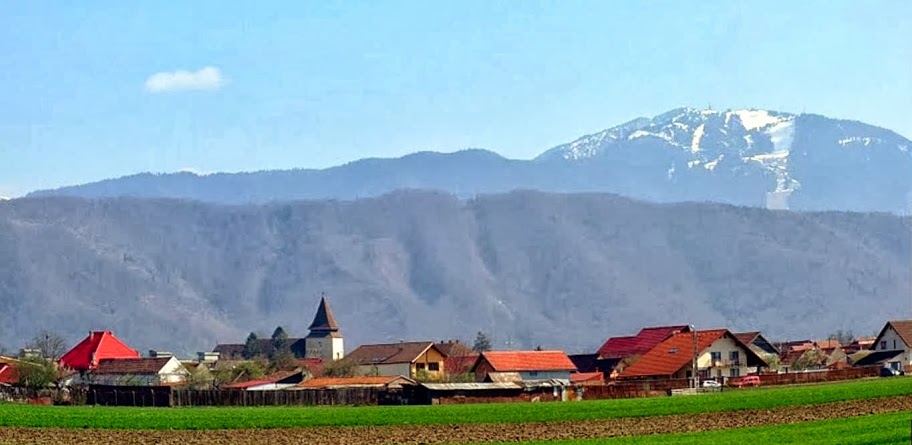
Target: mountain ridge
x,y
559,270
745,157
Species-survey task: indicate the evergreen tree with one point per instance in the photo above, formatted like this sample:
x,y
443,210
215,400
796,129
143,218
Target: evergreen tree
x,y
251,346
279,338
482,343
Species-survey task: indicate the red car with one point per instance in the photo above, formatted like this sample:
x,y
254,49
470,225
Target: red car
x,y
749,380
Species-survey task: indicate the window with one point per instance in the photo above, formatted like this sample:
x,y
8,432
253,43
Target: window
x,y
715,356
419,366
894,344
734,372
719,373
734,356
883,344
434,366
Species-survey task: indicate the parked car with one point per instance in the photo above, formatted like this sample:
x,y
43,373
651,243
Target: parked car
x,y
748,380
711,384
890,372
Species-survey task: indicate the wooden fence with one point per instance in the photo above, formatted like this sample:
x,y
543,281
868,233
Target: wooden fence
x,y
105,395
352,396
631,389
795,378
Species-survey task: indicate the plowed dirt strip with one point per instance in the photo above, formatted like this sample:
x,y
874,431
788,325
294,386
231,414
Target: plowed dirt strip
x,y
435,434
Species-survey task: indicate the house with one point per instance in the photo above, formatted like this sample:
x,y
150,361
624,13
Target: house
x,y
410,359
380,382
522,366
279,380
98,346
143,371
896,335
718,354
619,352
756,341
323,342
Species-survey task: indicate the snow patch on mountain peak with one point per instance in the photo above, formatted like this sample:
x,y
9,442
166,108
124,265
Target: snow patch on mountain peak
x,y
755,119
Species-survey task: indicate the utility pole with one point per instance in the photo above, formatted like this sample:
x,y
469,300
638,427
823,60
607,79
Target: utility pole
x,y
693,373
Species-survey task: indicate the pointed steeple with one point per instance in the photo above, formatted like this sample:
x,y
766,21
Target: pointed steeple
x,y
323,321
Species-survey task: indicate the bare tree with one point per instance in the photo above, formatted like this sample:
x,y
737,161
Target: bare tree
x,y
51,344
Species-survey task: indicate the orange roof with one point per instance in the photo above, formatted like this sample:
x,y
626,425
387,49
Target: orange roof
x,y
677,352
518,361
588,377
828,344
348,381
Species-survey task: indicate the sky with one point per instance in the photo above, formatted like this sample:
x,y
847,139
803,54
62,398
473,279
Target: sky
x,y
94,90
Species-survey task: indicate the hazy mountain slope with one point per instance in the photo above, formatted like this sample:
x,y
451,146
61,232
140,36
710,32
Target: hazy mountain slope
x,y
557,270
747,157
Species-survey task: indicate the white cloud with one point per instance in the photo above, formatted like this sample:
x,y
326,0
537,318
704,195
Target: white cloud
x,y
207,78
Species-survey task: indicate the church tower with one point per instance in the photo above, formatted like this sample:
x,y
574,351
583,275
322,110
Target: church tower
x,y
324,340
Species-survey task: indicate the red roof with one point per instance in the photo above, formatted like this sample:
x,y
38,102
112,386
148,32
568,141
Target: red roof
x,y
97,346
676,352
587,377
247,384
8,373
141,366
519,361
349,381
645,340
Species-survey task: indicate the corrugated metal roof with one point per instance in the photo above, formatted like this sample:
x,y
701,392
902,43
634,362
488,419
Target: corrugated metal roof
x,y
470,386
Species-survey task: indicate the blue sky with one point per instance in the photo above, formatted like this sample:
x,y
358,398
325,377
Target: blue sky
x,y
315,84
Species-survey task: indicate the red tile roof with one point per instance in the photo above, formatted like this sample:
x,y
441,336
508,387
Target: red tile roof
x,y
454,348
587,377
903,328
97,346
247,384
746,337
144,365
646,339
349,381
519,361
275,377
8,373
676,352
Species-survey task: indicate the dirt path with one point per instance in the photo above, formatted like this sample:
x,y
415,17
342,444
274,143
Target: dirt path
x,y
436,434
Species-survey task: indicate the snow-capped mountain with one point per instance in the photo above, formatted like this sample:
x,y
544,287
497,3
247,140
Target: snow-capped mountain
x,y
746,157
732,143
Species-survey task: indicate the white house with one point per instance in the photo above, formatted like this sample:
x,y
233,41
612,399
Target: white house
x,y
896,336
139,372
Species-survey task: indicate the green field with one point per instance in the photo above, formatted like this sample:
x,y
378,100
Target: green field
x,y
874,430
292,417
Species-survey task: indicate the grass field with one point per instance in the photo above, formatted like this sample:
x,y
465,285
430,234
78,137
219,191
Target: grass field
x,y
891,428
296,417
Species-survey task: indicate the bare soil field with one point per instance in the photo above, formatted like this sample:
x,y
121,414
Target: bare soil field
x,y
437,434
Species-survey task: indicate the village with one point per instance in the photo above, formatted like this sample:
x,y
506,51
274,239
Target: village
x,y
316,370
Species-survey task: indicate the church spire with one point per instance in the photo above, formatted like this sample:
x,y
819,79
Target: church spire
x,y
324,321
